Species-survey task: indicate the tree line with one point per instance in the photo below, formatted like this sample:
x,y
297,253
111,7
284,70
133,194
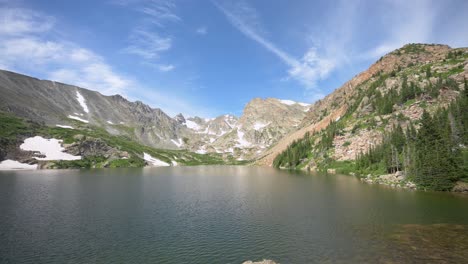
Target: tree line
x,y
434,156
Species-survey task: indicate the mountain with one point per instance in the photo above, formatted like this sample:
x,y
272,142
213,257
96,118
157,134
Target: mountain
x,y
56,105
263,122
410,61
392,95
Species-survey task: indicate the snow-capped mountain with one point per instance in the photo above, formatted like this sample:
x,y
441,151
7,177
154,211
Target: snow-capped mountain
x,y
262,123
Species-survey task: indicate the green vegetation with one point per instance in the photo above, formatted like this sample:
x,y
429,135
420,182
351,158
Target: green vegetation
x,y
14,130
413,48
432,151
295,153
434,157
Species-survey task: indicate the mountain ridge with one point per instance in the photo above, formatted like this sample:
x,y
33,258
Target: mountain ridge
x,y
56,104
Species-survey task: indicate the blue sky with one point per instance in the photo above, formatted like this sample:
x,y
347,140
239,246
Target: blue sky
x,y
208,58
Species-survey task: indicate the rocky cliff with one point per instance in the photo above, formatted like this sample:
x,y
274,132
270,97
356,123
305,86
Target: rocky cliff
x,y
437,71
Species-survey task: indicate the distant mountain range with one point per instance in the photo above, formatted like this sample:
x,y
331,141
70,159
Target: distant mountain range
x,y
59,105
104,130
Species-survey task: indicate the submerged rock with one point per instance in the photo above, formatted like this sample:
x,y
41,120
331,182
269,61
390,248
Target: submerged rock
x,y
265,261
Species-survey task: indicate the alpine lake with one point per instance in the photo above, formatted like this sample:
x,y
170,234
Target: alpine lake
x,y
223,214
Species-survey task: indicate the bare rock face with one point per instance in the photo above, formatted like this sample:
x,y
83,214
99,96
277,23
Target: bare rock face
x,y
263,122
180,119
54,103
89,146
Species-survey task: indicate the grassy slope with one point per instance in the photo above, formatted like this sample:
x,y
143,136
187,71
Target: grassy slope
x,y
14,129
321,155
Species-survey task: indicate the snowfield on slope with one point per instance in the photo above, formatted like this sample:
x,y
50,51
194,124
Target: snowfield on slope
x,y
154,161
82,101
78,118
51,148
290,102
178,143
259,125
240,139
64,126
16,165
192,125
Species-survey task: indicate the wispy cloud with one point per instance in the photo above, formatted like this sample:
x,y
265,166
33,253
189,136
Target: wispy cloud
x,y
159,12
166,68
411,22
201,31
18,21
23,47
148,45
148,40
31,49
160,67
308,70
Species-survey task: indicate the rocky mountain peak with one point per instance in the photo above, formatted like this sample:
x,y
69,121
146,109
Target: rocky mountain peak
x,y
180,119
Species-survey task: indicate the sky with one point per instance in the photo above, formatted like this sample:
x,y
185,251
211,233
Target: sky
x,y
211,57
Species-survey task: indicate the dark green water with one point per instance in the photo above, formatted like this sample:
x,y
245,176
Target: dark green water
x,y
222,215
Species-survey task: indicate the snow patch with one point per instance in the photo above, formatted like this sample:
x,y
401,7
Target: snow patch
x,y
110,122
63,126
241,140
178,143
174,163
202,150
16,165
154,161
82,101
337,119
78,118
290,102
260,125
192,125
51,148
287,102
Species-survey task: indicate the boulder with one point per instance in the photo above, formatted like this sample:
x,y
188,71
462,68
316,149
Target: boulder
x,y
265,261
460,187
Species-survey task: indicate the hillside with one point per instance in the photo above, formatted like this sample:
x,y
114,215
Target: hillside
x,y
394,93
63,110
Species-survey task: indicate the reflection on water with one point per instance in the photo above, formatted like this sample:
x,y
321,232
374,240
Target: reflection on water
x,y
222,214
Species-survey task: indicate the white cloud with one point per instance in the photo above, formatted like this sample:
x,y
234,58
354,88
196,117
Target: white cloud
x,y
38,53
146,41
159,12
95,76
166,68
201,31
148,45
312,68
411,22
25,47
17,21
308,70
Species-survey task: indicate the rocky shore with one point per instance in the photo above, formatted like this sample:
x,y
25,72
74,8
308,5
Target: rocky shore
x,y
395,180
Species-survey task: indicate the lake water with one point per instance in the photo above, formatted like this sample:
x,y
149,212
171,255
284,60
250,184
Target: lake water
x,y
218,214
